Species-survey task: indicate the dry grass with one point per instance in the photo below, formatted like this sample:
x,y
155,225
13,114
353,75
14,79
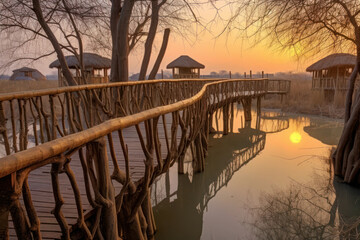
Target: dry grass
x,y
302,99
7,86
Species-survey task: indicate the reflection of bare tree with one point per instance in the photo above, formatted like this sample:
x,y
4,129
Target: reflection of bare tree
x,y
308,211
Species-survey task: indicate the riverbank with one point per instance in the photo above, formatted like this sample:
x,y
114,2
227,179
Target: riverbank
x,y
303,100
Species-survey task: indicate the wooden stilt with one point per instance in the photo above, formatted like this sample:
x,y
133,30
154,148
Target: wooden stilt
x,y
226,119
247,108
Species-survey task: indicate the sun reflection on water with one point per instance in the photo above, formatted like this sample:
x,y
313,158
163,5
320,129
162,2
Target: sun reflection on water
x,y
295,137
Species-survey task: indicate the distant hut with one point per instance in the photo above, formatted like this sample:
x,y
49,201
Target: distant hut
x,y
185,67
96,69
331,73
26,73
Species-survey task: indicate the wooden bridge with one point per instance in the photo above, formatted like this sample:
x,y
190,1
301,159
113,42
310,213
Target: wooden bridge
x,y
78,161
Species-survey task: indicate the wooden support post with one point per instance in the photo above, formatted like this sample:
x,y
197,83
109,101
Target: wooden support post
x,y
162,74
247,108
199,160
262,74
258,105
226,119
244,74
258,112
250,74
231,117
230,74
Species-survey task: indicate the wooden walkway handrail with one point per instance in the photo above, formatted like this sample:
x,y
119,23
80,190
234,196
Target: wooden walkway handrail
x,y
14,162
54,91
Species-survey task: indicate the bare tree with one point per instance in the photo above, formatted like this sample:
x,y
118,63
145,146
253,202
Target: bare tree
x,y
309,27
35,23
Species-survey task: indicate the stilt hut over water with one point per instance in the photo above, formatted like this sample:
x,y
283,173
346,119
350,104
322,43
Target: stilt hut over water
x,y
26,73
185,67
96,69
331,73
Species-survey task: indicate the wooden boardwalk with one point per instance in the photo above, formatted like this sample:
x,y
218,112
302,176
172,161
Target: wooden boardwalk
x,y
91,113
42,193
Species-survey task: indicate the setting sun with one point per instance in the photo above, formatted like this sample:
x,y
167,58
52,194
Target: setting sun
x,y
295,137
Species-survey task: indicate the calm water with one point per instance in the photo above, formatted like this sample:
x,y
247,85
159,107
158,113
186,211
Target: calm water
x,y
270,180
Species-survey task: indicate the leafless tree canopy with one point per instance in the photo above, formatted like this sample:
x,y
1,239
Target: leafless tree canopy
x,y
306,26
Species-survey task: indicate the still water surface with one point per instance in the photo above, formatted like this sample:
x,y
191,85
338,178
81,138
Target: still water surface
x,y
268,180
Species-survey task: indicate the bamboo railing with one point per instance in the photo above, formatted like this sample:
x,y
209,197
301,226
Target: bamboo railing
x,y
83,127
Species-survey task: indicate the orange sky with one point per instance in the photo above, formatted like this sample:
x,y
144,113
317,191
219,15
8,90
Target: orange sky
x,y
226,53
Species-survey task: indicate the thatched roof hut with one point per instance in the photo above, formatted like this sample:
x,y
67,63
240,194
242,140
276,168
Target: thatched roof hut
x,y
91,60
185,67
184,61
333,60
96,69
26,73
331,73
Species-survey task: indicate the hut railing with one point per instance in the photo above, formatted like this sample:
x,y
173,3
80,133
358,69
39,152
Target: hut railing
x,y
331,83
185,105
184,76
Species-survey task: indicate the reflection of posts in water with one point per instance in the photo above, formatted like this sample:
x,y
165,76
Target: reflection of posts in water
x,y
273,122
192,197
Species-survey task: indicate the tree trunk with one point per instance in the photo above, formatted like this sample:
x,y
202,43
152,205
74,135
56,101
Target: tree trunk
x,y
122,42
161,54
347,155
114,19
150,39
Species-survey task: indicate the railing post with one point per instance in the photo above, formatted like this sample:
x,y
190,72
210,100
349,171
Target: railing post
x,y
109,226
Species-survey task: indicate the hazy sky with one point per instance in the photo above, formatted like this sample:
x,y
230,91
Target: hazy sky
x,y
225,52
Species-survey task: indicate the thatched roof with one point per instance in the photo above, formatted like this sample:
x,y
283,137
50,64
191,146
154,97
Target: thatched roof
x,y
19,74
333,60
185,61
91,60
